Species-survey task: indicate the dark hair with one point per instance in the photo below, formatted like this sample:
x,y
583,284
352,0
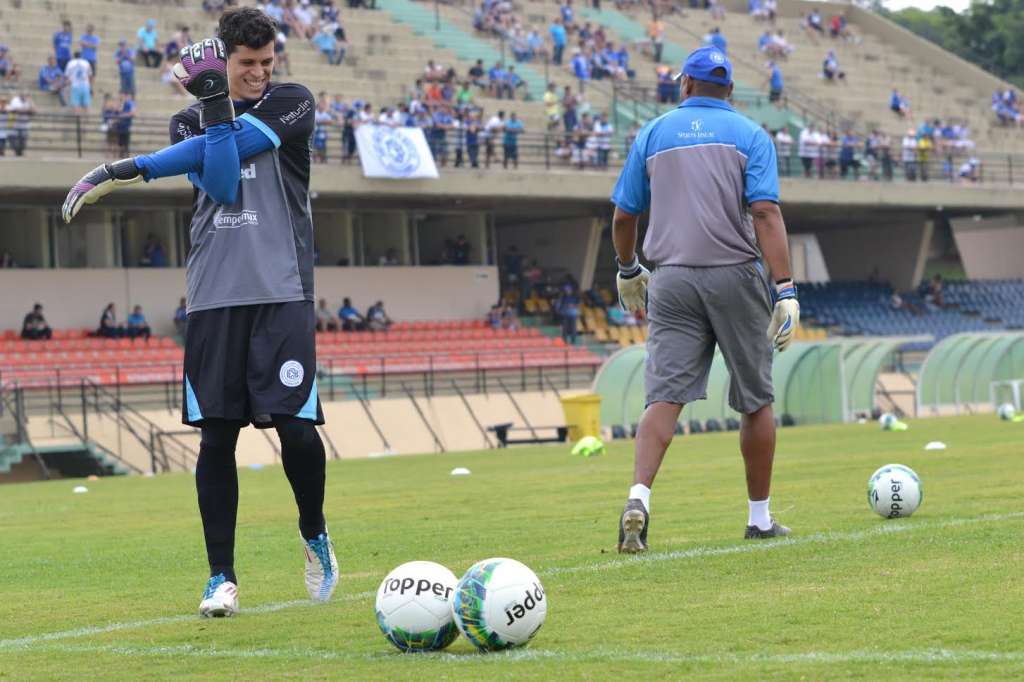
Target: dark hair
x,y
246,26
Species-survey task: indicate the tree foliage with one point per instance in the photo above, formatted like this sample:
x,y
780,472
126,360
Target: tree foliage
x,y
990,33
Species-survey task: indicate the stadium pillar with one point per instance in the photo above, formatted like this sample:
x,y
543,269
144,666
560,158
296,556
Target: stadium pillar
x,y
590,256
990,248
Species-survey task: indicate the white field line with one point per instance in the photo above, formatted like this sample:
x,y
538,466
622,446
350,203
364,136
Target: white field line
x,y
694,553
885,528
951,656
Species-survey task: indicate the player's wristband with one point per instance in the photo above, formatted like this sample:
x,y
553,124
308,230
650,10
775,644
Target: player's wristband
x,y
784,288
216,110
631,269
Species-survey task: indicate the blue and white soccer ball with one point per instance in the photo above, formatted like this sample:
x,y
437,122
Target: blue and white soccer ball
x,y
414,606
887,421
1006,412
894,491
499,604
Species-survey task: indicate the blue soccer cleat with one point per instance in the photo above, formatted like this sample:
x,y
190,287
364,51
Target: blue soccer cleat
x,y
321,567
220,598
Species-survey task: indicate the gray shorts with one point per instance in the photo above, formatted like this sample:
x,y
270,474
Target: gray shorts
x,y
691,309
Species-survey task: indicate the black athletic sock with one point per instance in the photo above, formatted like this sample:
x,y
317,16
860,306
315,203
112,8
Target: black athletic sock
x,y
217,486
304,459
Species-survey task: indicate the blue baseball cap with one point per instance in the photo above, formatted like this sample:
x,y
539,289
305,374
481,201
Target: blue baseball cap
x,y
702,62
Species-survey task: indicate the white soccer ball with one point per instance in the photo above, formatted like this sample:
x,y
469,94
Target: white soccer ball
x,y
894,491
499,604
1006,411
414,606
887,421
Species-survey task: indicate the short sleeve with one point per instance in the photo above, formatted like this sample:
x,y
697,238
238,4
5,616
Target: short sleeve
x,y
184,126
286,113
632,192
761,177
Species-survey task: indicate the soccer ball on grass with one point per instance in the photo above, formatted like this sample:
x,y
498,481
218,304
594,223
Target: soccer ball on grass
x,y
414,608
894,491
499,604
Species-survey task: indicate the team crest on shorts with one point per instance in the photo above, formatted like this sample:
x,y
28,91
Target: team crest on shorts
x,y
291,373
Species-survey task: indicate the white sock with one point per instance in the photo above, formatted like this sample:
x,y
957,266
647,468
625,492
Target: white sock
x,y
759,514
642,493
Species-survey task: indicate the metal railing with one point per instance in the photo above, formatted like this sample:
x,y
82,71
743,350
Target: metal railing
x,y
80,136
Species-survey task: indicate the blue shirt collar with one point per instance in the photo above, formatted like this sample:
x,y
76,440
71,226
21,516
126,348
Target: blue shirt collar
x,y
707,102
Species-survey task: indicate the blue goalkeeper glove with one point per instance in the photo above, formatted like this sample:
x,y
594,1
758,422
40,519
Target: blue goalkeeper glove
x,y
785,317
99,182
631,281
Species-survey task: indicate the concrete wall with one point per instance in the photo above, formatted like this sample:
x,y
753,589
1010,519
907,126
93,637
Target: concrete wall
x,y
560,245
76,297
806,258
898,252
990,248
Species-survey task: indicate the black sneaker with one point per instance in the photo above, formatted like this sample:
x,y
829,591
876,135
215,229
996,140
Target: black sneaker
x,y
633,528
776,531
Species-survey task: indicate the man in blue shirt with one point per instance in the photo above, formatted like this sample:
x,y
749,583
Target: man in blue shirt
x,y
124,123
498,80
580,67
513,128
62,40
51,79
89,43
774,82
558,39
709,178
124,57
716,39
136,324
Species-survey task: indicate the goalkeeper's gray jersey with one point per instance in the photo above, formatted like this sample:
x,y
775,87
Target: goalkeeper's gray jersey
x,y
259,249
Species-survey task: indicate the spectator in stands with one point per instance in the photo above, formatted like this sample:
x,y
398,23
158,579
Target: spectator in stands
x,y
300,18
925,146
494,316
460,251
570,102
476,74
471,127
124,124
281,60
51,79
136,325
882,146
495,126
22,108
558,40
181,318
509,319
716,9
215,7
62,41
148,44
830,68
10,72
814,22
848,155
829,158
3,125
35,327
350,318
124,58
970,170
775,83
327,44
109,326
153,255
389,259
603,132
898,104
89,44
896,302
377,319
935,296
568,308
909,155
783,149
78,74
510,142
715,39
7,260
808,148
580,67
325,319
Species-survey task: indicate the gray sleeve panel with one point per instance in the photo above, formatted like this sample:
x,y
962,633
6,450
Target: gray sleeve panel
x,y
249,252
698,214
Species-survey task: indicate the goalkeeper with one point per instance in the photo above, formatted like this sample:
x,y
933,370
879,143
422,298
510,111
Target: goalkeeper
x,y
708,176
250,355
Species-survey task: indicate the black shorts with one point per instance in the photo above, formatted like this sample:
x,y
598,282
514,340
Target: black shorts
x,y
251,364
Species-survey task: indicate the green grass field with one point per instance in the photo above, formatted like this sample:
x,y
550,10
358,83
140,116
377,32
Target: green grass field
x,y
105,585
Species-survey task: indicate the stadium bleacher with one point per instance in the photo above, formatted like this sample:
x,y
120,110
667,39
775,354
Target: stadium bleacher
x,y
865,308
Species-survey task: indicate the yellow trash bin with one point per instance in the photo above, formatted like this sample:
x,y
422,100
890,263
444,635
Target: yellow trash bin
x,y
582,415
